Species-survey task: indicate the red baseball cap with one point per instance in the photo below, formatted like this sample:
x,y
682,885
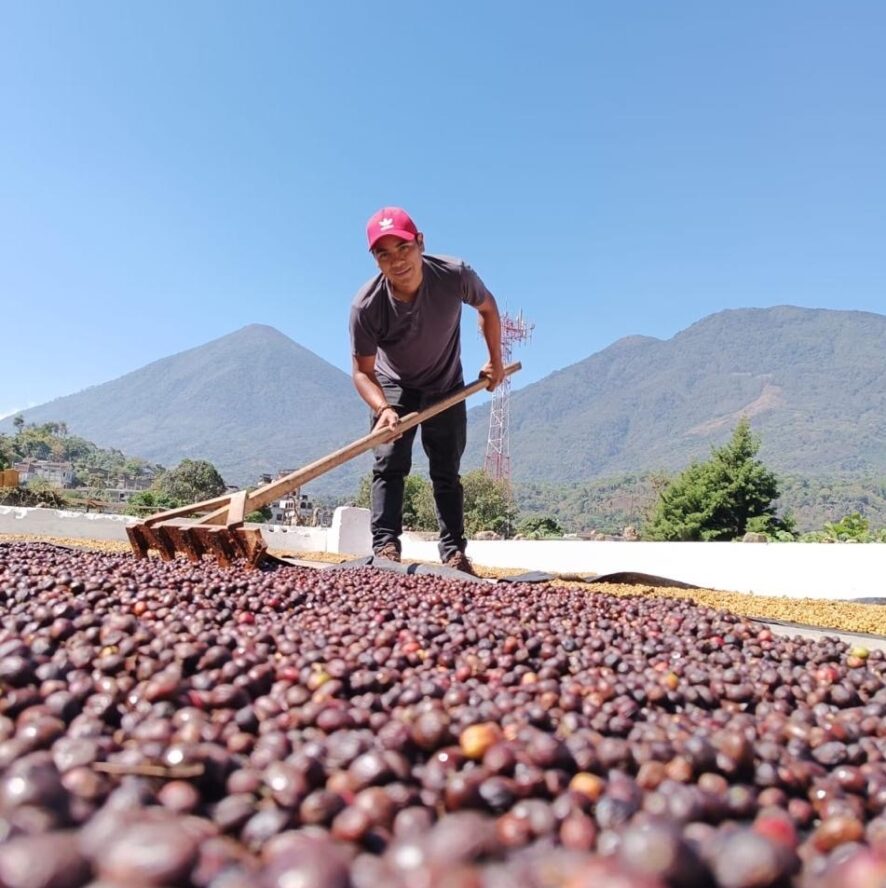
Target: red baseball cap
x,y
390,220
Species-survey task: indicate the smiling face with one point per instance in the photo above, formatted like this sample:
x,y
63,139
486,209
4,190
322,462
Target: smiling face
x,y
399,261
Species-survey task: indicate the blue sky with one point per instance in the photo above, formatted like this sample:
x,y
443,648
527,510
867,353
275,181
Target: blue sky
x,y
170,172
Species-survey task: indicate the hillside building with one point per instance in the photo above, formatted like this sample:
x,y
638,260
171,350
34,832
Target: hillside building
x,y
57,474
294,509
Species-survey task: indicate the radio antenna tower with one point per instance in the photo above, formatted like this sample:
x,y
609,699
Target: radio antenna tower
x,y
498,446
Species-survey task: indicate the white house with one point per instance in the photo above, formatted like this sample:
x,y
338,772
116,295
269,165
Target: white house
x,y
58,474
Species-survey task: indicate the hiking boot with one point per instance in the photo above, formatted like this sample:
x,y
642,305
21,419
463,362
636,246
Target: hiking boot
x,y
389,552
459,561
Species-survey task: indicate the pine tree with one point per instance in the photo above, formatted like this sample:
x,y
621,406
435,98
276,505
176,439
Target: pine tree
x,y
715,500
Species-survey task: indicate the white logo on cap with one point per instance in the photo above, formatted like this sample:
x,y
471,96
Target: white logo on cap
x,y
386,223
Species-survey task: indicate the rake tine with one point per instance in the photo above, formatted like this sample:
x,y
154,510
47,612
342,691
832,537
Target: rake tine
x,y
183,541
164,542
217,539
138,539
251,544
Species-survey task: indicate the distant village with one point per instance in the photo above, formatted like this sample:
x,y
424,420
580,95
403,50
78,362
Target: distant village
x,y
295,509
61,475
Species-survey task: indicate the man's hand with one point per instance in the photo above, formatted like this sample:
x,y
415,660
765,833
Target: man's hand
x,y
495,372
387,419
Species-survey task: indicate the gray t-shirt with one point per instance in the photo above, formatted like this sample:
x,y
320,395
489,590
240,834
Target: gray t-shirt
x,y
417,343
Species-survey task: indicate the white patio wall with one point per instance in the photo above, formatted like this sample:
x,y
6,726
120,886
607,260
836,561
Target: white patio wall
x,y
791,570
60,523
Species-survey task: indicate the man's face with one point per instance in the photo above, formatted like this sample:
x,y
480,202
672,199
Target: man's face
x,y
400,261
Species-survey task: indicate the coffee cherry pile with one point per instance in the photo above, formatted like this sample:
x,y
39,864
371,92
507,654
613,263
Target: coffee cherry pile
x,y
180,725
837,614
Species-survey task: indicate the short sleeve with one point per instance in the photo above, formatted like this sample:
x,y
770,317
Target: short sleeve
x,y
363,340
474,291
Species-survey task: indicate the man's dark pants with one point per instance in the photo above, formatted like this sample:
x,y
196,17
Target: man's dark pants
x,y
443,438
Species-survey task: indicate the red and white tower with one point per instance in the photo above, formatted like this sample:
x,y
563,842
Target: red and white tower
x,y
498,446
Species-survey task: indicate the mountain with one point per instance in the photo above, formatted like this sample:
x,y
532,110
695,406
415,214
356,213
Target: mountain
x,y
250,402
811,381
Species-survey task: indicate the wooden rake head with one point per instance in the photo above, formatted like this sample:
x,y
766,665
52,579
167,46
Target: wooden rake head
x,y
171,538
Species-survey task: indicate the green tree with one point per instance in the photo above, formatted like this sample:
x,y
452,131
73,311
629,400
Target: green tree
x,y
34,442
133,467
849,527
7,454
145,502
715,500
424,510
418,501
55,429
44,494
191,481
418,504
783,530
18,422
363,498
539,527
488,504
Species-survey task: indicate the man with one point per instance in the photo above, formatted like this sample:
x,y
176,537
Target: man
x,y
406,348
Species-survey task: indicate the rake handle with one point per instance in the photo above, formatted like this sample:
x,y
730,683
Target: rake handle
x,y
268,493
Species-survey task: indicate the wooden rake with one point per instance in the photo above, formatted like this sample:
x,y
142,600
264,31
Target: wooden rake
x,y
220,531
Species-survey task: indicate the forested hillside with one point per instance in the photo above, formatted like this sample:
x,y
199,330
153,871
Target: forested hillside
x,y
609,505
812,382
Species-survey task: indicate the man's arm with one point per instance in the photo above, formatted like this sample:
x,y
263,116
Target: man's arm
x,y
490,327
363,374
